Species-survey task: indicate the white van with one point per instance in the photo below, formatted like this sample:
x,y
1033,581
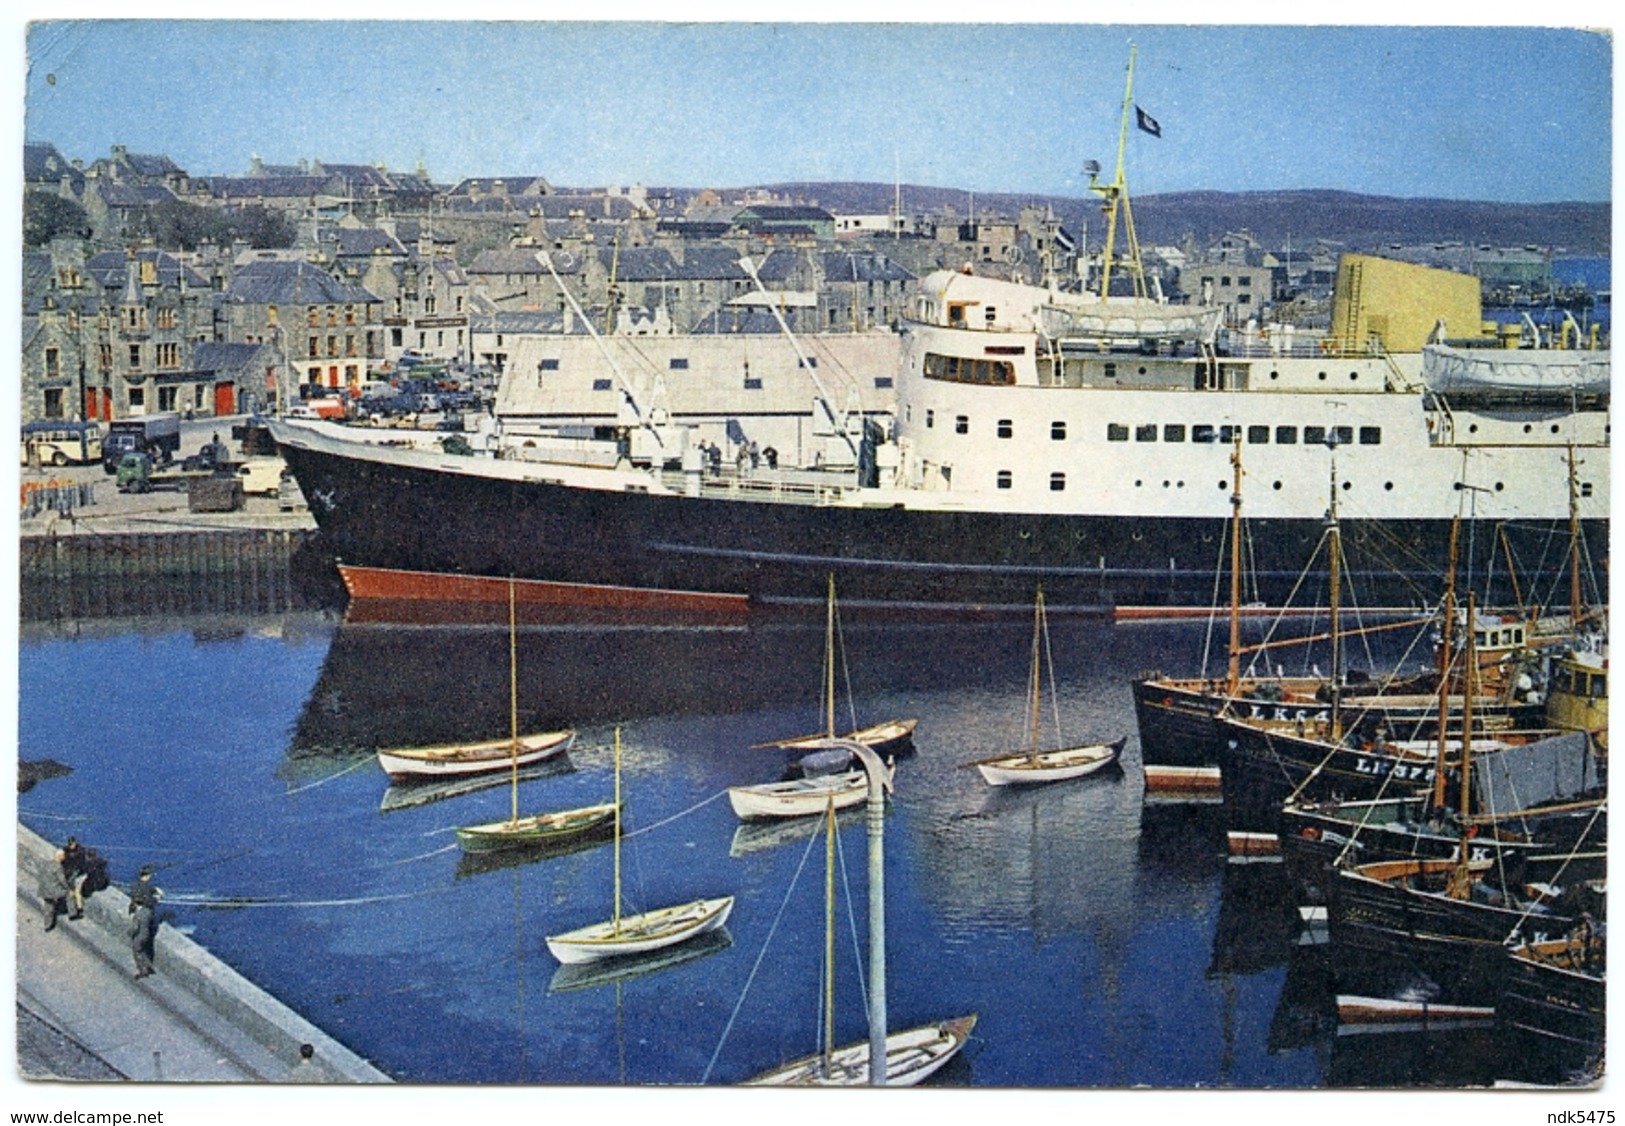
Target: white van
x,y
262,476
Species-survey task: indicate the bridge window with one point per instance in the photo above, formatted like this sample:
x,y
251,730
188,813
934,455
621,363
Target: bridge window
x,y
1343,435
1314,435
961,424
1057,482
966,369
1004,479
1057,431
1116,432
1173,432
1258,435
1370,435
1202,434
678,363
1146,432
1005,428
1286,435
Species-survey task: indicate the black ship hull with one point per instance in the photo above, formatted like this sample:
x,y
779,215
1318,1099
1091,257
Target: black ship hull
x,y
407,515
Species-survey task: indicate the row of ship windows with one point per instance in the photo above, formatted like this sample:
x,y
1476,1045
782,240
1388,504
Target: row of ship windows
x,y
1177,431
1005,479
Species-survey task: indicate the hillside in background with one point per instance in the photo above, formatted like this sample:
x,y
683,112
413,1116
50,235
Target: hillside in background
x,y
1361,222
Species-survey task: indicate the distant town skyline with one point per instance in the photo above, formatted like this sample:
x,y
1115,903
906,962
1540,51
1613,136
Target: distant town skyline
x,y
1514,114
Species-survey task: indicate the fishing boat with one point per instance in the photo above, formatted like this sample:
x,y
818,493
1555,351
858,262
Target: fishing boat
x,y
890,737
538,830
801,797
1029,430
1554,997
911,1055
643,932
1033,765
414,763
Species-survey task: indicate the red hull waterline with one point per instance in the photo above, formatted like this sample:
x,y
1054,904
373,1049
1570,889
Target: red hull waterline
x,y
367,585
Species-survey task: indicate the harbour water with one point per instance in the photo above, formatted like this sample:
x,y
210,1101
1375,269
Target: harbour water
x,y
1103,945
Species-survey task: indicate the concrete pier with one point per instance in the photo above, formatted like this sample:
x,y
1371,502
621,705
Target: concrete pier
x,y
82,1016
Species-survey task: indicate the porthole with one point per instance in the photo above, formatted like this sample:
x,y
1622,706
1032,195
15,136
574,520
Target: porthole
x,y
1179,484
1554,428
1499,486
1277,486
1347,485
1167,484
1388,486
1353,375
1138,481
1323,376
1527,427
1222,486
1275,375
1472,428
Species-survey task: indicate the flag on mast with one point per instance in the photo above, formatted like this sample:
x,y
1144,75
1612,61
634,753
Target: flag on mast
x,y
1147,122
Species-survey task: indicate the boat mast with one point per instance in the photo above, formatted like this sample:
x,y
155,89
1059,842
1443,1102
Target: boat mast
x,y
1035,682
617,916
829,932
1574,542
1461,881
1116,196
1335,547
1447,611
1233,669
829,661
513,698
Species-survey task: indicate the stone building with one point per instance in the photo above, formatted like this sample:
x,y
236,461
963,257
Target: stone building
x,y
326,332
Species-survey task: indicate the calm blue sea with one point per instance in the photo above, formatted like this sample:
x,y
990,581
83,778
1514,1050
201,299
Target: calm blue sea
x,y
1103,945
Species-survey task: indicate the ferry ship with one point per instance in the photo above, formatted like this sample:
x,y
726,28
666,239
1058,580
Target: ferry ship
x,y
1076,439
1039,436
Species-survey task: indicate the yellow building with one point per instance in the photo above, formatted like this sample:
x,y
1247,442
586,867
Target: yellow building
x,y
1398,305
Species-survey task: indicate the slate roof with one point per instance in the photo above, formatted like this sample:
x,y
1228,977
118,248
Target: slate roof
x,y
354,242
512,185
524,260
110,269
268,187
754,321
845,266
115,194
785,213
213,355
154,165
43,164
292,283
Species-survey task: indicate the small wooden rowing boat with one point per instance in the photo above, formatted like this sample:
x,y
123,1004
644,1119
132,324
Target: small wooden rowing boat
x,y
637,934
912,1055
538,830
405,763
801,797
1025,767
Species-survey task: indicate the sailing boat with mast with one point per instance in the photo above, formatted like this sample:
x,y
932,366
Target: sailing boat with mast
x,y
455,760
1033,765
539,830
912,1055
643,932
890,737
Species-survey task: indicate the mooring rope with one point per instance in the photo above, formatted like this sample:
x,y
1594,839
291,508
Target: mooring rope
x,y
674,817
760,958
357,765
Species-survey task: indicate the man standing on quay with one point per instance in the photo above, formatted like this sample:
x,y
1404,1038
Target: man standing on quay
x,y
144,897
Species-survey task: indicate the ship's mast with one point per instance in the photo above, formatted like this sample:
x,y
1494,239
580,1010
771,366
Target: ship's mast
x,y
1233,670
1116,196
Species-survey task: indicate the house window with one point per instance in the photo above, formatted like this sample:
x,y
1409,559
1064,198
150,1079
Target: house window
x,y
166,398
138,398
1146,432
1006,428
53,402
1173,432
135,356
315,346
53,364
961,424
169,355
166,318
1116,432
1057,482
1057,430
1004,479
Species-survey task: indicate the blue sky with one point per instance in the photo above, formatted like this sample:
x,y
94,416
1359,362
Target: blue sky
x,y
1505,113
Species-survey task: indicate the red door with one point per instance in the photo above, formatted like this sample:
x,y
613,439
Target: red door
x,y
225,399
